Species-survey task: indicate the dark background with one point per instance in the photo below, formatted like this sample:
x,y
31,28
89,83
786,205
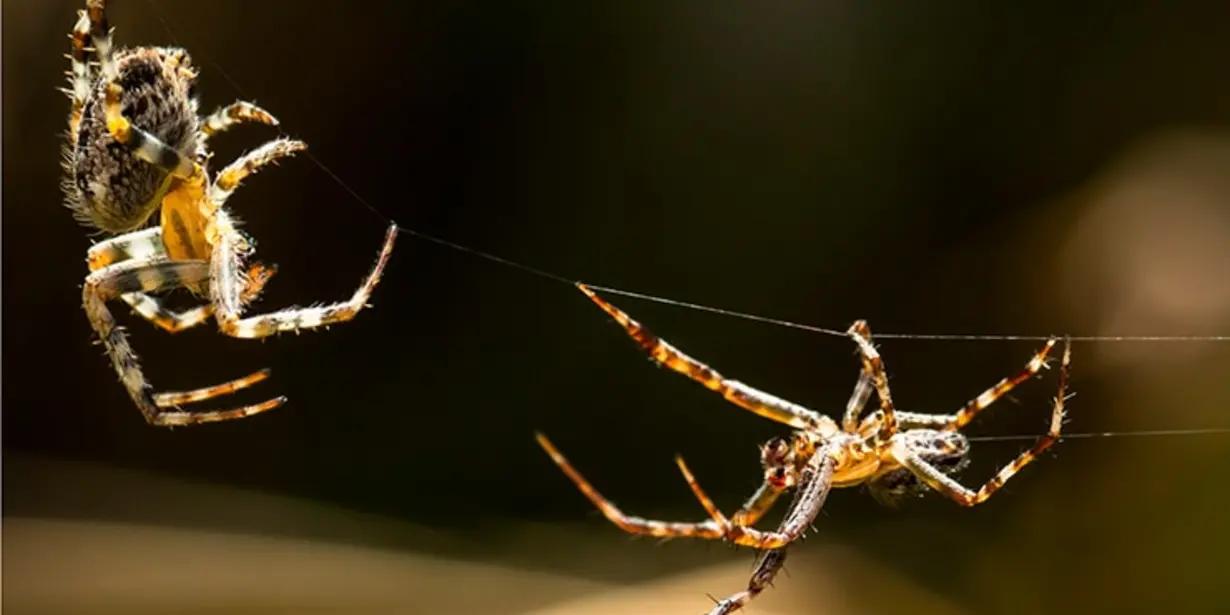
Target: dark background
x,y
1036,169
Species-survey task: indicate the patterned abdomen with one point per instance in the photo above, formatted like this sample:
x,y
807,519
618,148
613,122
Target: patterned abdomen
x,y
108,187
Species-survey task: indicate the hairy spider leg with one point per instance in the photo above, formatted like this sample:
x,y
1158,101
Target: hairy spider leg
x,y
862,389
742,395
971,409
146,244
79,76
100,36
752,510
229,178
768,564
149,275
143,244
144,145
814,485
807,504
919,420
174,399
874,365
948,486
705,501
857,403
627,523
226,292
758,504
237,112
961,418
171,321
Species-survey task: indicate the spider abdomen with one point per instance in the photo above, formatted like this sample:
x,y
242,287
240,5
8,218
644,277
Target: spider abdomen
x,y
947,451
108,186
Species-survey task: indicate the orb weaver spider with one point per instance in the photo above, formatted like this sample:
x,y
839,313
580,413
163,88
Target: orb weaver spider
x,y
135,147
894,452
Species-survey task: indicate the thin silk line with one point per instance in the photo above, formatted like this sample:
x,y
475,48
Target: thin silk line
x,y
549,275
1109,434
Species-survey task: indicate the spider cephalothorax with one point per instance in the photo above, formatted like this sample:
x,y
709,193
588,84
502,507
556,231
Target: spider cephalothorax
x,y
895,453
136,146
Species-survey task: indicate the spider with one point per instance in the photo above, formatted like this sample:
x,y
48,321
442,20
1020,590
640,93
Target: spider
x,y
135,147
895,453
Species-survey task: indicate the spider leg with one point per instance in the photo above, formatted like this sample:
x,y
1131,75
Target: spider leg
x,y
79,77
948,486
961,418
813,489
988,397
147,244
235,113
858,401
918,420
757,505
627,523
152,309
149,275
742,395
100,36
874,365
714,513
229,178
227,291
768,564
171,321
861,392
143,144
174,399
143,244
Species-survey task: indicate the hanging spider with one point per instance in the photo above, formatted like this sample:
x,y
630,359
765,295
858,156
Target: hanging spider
x,y
136,146
895,453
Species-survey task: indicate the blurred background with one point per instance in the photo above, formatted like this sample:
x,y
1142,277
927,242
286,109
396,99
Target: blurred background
x,y
1050,168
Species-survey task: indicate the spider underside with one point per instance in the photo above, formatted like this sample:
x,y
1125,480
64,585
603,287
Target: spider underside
x,y
136,147
894,452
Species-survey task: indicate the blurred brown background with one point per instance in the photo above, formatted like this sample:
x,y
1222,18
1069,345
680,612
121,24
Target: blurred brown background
x,y
1036,169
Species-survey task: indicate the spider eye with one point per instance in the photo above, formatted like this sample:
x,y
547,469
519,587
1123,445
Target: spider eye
x,y
774,451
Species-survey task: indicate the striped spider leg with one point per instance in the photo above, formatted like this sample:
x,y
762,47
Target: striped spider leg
x,y
148,275
135,148
147,244
936,478
894,452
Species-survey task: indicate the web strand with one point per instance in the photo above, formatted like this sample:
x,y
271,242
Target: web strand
x,y
1109,434
555,277
768,320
